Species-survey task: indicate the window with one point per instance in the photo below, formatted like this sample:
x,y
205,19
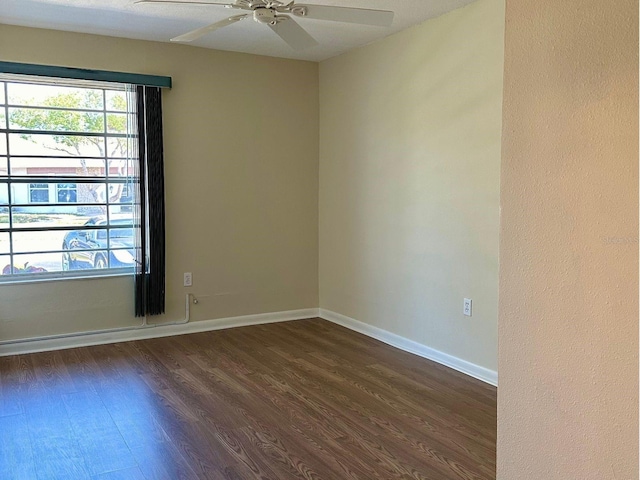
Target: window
x,y
68,162
67,192
38,193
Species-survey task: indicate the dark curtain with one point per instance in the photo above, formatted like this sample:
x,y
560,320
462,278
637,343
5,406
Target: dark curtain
x,y
150,281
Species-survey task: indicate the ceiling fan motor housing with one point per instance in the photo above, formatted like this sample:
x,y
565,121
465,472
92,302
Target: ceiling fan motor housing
x,y
265,15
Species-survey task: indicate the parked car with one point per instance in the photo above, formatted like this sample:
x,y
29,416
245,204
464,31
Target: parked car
x,y
85,249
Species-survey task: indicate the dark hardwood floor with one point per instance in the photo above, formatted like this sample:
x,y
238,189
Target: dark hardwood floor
x,y
305,399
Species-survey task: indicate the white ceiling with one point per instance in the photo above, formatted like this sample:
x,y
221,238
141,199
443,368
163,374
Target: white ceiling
x,y
123,18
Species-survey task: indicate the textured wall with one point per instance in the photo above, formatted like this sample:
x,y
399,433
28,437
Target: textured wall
x,y
241,167
409,181
568,322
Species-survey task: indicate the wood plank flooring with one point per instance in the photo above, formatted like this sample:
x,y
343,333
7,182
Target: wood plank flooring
x,y
305,399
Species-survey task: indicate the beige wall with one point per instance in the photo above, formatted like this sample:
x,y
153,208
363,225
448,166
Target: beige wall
x,y
409,182
568,356
241,166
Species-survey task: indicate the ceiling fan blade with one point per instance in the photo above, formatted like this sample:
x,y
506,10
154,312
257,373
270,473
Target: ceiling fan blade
x,y
187,2
191,36
293,34
364,16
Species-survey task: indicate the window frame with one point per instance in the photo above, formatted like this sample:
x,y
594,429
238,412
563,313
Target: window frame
x,y
36,187
53,182
70,188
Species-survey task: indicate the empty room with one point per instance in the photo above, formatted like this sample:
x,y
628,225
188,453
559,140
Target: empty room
x,y
331,239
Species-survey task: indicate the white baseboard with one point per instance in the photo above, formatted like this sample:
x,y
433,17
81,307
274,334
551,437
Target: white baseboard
x,y
471,369
85,339
102,337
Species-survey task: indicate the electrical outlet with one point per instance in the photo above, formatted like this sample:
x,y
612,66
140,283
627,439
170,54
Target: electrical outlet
x,y
188,279
467,307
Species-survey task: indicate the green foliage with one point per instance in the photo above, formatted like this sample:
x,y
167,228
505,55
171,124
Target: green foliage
x,y
77,119
117,102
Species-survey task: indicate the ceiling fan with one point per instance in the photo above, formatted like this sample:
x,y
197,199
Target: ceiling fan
x,y
278,16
